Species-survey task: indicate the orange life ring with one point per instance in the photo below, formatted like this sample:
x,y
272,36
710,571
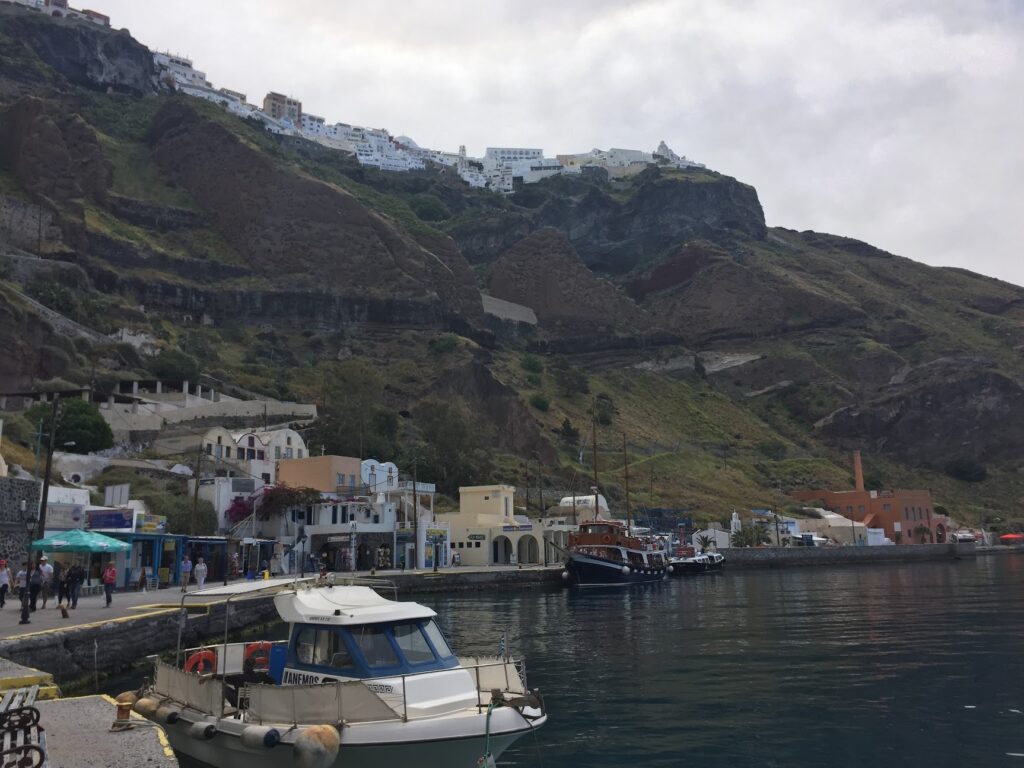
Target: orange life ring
x,y
201,662
606,539
259,653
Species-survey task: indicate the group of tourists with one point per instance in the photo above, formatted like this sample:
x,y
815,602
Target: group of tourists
x,y
43,581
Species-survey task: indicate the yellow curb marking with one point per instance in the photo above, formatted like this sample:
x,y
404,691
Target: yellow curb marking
x,y
160,735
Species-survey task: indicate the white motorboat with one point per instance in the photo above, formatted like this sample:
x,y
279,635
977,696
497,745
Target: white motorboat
x,y
361,682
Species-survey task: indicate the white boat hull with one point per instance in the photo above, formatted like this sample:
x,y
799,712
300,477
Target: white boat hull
x,y
455,742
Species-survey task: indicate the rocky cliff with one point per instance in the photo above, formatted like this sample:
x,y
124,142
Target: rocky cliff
x,y
715,343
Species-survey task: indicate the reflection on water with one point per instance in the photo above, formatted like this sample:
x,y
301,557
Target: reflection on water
x,y
845,667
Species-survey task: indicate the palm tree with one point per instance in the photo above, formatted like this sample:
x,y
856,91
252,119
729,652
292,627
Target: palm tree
x,y
704,542
924,532
752,535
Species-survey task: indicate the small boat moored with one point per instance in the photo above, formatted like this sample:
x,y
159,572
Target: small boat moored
x,y
361,682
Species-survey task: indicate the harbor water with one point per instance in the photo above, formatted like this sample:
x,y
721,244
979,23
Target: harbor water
x,y
885,665
888,665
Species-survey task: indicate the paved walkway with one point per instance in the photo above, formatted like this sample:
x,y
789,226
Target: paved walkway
x,y
78,735
91,609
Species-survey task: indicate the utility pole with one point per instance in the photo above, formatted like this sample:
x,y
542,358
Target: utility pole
x,y
594,435
778,537
526,468
41,528
540,484
195,492
415,520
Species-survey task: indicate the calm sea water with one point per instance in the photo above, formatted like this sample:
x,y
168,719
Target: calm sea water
x,y
916,665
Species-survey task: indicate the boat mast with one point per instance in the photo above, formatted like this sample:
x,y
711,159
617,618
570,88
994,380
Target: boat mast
x,y
625,459
594,435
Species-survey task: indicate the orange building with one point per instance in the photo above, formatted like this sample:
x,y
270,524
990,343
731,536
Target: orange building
x,y
906,516
327,474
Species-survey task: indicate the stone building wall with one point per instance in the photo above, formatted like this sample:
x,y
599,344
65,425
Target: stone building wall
x,y
13,536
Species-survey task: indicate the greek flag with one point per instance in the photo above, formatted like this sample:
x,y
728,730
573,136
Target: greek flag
x,y
503,644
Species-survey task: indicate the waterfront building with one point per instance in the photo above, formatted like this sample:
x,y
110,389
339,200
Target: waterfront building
x,y
486,530
906,515
253,454
327,474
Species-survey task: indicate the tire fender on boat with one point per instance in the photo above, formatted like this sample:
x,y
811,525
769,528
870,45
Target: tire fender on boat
x,y
625,570
202,731
168,715
316,747
146,707
259,736
671,569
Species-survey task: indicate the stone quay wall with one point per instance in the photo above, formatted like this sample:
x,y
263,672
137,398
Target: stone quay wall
x,y
79,653
13,535
785,557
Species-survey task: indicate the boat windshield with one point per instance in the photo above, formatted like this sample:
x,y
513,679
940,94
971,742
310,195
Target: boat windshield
x,y
370,650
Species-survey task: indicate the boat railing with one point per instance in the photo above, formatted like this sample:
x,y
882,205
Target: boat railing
x,y
376,700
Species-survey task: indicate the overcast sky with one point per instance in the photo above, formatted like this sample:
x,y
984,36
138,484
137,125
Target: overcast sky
x,y
900,123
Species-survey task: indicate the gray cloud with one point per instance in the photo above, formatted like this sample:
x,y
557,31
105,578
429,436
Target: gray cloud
x,y
895,122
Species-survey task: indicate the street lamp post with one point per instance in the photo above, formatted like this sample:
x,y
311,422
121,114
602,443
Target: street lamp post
x,y
29,520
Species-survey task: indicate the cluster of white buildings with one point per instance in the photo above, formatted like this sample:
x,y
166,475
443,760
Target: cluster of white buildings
x,y
499,170
60,9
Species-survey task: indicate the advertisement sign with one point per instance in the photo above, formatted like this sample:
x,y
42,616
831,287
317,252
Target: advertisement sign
x,y
146,523
477,537
64,516
111,518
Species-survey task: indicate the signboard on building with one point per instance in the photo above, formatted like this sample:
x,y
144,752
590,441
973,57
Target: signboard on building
x,y
64,516
477,537
527,527
147,523
340,539
110,518
437,532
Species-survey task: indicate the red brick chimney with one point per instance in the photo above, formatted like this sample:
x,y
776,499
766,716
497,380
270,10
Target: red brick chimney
x,y
858,471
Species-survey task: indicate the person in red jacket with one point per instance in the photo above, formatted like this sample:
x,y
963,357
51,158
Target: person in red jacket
x,y
109,580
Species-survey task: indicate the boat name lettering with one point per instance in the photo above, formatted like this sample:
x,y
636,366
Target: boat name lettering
x,y
326,619
381,687
300,678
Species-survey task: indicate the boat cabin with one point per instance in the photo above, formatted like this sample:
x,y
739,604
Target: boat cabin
x,y
358,637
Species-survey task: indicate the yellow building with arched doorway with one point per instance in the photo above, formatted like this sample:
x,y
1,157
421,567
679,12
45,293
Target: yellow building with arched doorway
x,y
486,530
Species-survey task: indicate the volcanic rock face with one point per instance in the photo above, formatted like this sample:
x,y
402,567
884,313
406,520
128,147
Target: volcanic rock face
x,y
949,408
82,52
302,232
544,273
55,156
613,232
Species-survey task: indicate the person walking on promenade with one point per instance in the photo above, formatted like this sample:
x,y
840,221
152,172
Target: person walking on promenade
x,y
75,577
186,573
35,585
60,582
109,580
46,574
200,571
5,582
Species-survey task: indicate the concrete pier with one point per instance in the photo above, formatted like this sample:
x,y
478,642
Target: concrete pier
x,y
79,735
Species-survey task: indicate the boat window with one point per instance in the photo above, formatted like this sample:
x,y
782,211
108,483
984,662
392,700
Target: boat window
x,y
374,645
437,639
322,648
412,643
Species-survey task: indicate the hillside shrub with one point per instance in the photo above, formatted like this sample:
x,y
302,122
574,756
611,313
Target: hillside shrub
x,y
539,402
531,364
77,421
174,365
966,469
443,344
